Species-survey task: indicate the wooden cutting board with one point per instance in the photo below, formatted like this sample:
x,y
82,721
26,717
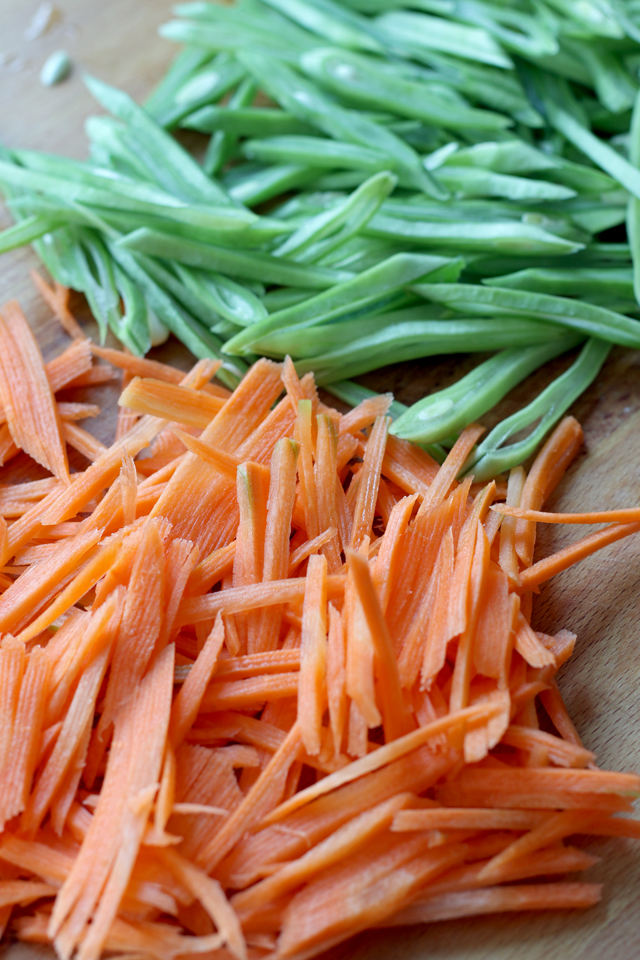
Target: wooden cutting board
x,y
600,600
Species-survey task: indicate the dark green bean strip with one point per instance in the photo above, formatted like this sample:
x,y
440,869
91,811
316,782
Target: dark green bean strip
x,y
448,411
223,143
584,282
247,121
305,101
613,84
315,152
327,231
516,238
282,298
491,457
350,296
409,341
422,32
236,263
360,81
583,317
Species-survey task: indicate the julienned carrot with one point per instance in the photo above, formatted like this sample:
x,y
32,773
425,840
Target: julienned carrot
x,y
630,515
194,408
143,778
545,569
29,406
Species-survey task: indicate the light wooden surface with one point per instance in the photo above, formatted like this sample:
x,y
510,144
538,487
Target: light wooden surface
x,y
600,600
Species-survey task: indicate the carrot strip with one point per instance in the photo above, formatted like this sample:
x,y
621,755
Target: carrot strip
x,y
461,818
194,408
22,756
300,554
389,752
144,367
225,463
29,406
311,696
252,486
238,694
67,367
559,751
347,840
57,299
187,704
82,441
409,466
395,718
546,472
474,903
508,556
389,557
211,570
464,663
42,581
627,515
368,482
209,892
336,678
261,798
563,559
308,494
77,720
325,480
452,466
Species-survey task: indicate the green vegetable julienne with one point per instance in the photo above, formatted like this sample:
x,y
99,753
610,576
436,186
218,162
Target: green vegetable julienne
x,y
384,181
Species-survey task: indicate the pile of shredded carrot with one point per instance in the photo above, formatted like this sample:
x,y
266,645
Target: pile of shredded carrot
x,y
267,673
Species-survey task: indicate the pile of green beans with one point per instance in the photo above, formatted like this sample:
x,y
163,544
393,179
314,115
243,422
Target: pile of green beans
x,y
383,180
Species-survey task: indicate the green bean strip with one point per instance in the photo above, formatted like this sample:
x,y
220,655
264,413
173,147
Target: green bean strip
x,y
236,263
360,81
315,152
491,457
583,317
409,341
578,282
633,206
349,296
246,121
448,411
222,143
314,239
516,238
305,101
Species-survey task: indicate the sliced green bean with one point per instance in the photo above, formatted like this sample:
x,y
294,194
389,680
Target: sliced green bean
x,y
264,184
513,237
583,317
331,21
236,263
509,156
477,182
350,296
633,207
409,341
232,301
184,66
306,102
327,231
315,152
162,153
448,411
491,457
222,143
422,32
207,85
584,282
28,230
247,121
360,81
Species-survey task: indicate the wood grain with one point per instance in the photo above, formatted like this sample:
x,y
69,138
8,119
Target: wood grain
x,y
600,600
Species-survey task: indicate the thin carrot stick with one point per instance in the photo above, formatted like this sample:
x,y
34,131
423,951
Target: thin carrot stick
x,y
29,406
187,703
565,558
336,679
452,465
546,472
368,484
325,480
311,696
57,299
224,462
